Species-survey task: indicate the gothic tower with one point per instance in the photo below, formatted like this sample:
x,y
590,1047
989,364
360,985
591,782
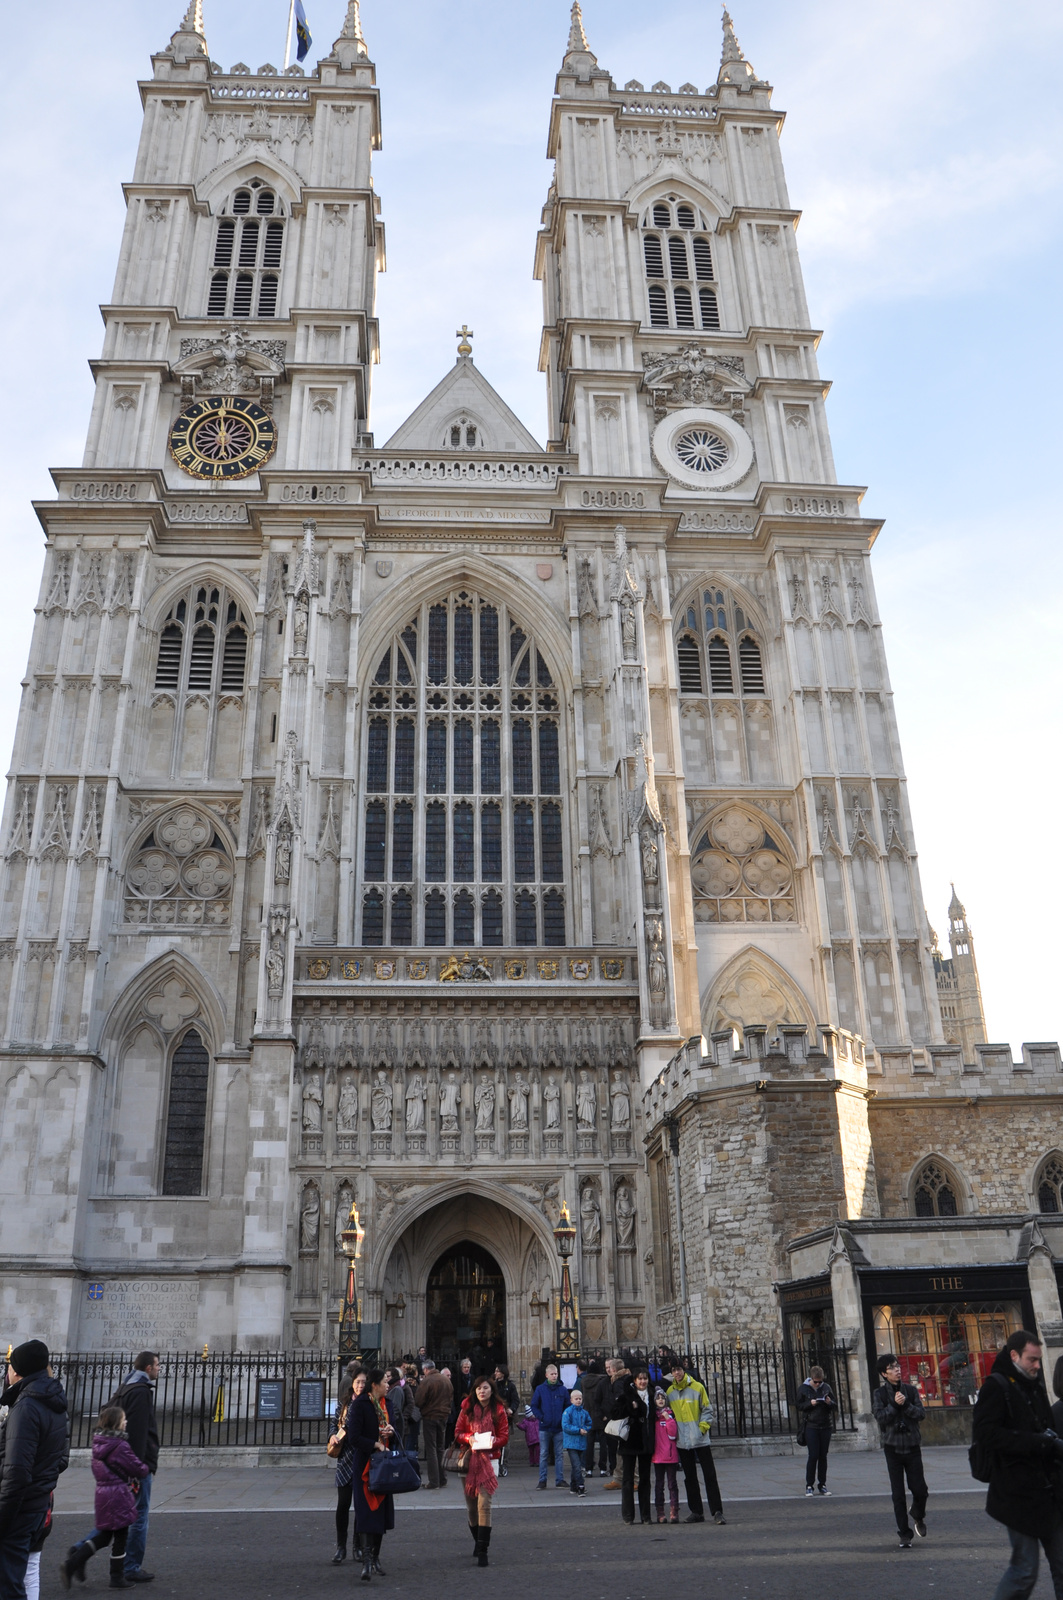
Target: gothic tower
x,y
958,986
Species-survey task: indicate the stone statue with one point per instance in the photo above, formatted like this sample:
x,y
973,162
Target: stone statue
x,y
302,622
657,976
275,970
586,1101
621,1104
415,1098
628,631
590,1227
312,1102
624,1212
310,1219
650,864
552,1105
347,1110
485,1105
343,1211
381,1103
448,1102
282,869
518,1105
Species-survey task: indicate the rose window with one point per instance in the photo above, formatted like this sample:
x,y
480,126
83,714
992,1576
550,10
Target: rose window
x,y
173,880
740,873
701,450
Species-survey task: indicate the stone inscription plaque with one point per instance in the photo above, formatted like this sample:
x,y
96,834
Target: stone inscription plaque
x,y
139,1314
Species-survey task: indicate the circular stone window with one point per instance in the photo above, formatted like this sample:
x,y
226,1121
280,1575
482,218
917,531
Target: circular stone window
x,y
703,449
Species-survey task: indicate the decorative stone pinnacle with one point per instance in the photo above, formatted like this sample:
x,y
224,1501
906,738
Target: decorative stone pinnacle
x,y
352,27
734,68
190,33
577,38
732,50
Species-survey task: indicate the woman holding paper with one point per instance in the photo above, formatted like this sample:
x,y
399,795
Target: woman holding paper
x,y
482,1429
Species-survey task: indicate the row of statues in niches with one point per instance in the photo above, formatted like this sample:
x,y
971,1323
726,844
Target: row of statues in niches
x,y
518,1095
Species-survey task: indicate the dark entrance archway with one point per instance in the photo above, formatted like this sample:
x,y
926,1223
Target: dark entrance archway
x,y
466,1308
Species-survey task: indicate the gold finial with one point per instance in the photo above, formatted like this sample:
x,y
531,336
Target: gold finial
x,y
464,333
205,1350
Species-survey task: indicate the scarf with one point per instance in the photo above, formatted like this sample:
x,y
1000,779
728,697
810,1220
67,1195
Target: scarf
x,y
375,1501
481,1477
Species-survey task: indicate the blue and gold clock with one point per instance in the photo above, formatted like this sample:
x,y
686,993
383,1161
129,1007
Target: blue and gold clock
x,y
223,437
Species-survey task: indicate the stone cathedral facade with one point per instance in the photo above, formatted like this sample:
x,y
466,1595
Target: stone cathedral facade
x,y
468,827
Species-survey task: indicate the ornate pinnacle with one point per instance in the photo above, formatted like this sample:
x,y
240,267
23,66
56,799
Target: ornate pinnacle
x,y
577,38
191,29
352,27
732,50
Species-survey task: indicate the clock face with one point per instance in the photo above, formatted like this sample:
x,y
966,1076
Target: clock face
x,y
223,437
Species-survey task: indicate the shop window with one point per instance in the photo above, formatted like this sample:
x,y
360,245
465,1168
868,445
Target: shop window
x,y
946,1349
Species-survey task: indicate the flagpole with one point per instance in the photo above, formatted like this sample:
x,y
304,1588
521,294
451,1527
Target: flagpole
x,y
288,44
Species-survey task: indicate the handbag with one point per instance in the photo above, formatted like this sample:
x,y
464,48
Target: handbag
x,y
334,1448
456,1459
392,1472
801,1436
619,1428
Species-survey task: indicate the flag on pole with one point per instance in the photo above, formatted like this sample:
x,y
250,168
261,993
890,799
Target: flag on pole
x,y
302,32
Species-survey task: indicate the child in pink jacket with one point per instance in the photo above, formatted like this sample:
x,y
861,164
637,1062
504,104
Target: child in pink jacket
x,y
530,1429
665,1458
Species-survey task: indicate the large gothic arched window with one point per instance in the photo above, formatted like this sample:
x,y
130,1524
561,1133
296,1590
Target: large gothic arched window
x,y
463,825
935,1191
1049,1185
248,247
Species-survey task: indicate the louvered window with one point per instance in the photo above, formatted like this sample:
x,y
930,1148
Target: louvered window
x,y
234,661
168,666
689,666
186,1117
478,749
720,667
681,290
203,646
750,666
254,250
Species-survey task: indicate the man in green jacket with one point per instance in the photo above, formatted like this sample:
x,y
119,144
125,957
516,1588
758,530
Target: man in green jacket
x,y
692,1411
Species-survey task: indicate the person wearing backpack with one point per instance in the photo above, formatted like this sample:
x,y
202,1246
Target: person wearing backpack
x,y
1016,1451
898,1410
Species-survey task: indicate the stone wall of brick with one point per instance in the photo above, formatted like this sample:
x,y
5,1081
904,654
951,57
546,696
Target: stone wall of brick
x,y
995,1147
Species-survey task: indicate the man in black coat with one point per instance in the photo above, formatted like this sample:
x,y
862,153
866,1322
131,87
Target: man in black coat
x,y
137,1399
34,1450
898,1411
1012,1421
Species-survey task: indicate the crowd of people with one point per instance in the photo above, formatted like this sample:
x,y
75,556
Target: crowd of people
x,y
643,1422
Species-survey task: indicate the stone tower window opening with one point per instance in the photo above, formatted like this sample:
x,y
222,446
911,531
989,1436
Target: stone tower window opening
x,y
186,1117
682,291
1049,1186
203,643
463,433
463,830
935,1191
247,255
709,629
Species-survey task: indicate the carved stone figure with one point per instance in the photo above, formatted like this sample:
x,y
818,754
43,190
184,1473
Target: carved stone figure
x,y
586,1101
275,970
624,1213
628,629
590,1212
312,1102
485,1105
382,1097
657,976
282,867
415,1098
310,1219
621,1100
650,863
343,1211
347,1110
302,622
552,1105
448,1102
518,1105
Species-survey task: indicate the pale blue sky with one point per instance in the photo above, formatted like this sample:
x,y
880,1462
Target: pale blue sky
x,y
923,145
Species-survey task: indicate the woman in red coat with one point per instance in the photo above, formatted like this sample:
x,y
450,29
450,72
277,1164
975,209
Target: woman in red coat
x,y
482,1428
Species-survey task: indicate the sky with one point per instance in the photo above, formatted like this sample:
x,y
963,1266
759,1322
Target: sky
x,y
923,145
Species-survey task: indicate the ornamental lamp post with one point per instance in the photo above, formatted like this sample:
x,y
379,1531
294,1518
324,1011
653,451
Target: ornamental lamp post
x,y
567,1334
351,1314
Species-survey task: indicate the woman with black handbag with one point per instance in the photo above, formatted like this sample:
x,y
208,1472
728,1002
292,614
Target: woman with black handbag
x,y
352,1385
634,1405
482,1429
370,1430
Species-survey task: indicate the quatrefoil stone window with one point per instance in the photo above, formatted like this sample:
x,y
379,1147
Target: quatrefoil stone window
x,y
181,875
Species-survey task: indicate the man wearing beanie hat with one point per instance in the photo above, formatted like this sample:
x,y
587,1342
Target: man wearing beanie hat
x,y
34,1450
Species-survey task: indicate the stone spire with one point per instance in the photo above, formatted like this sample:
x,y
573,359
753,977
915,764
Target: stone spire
x,y
579,57
351,46
957,910
734,68
189,39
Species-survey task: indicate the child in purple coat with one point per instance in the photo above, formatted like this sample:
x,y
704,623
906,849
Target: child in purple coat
x,y
117,1472
530,1429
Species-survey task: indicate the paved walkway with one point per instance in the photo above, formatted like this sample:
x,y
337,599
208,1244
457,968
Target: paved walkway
x,y
310,1488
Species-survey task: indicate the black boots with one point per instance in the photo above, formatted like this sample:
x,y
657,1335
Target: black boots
x,y
377,1540
481,1547
77,1558
341,1553
367,1563
118,1577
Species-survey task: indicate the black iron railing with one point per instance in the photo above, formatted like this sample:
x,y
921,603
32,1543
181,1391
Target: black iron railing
x,y
753,1387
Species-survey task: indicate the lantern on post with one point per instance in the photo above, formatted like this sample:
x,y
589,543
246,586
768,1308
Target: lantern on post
x,y
351,1314
567,1333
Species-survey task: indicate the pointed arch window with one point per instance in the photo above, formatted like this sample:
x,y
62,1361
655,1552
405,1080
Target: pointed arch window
x,y
248,252
186,1117
935,1191
464,767
714,623
203,643
682,291
741,872
180,873
1049,1186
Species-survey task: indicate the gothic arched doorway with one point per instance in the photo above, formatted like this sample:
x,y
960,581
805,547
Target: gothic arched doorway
x,y
466,1308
